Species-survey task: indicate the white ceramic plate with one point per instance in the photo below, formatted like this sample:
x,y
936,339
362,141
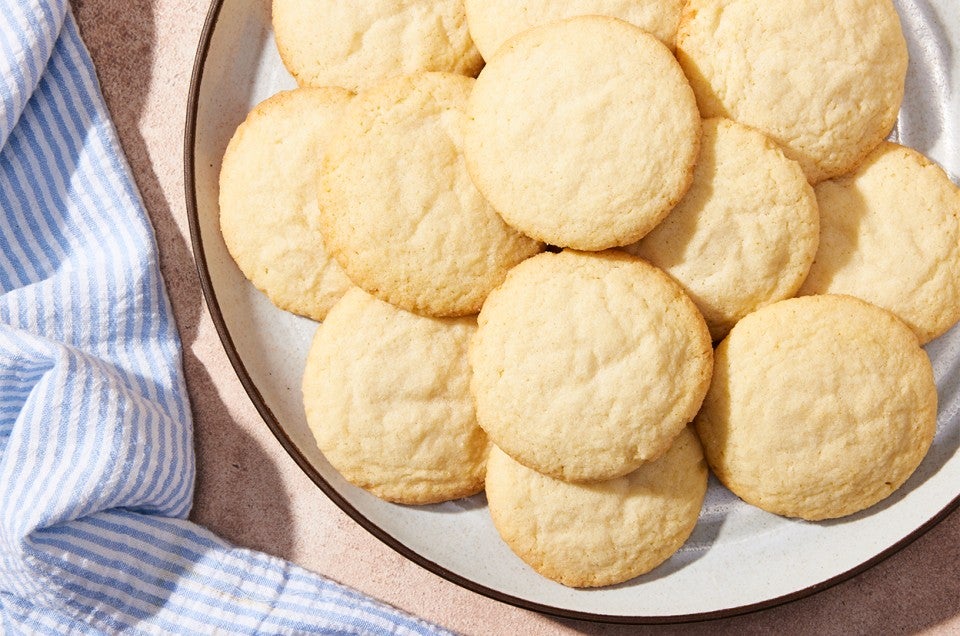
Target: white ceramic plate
x,y
739,558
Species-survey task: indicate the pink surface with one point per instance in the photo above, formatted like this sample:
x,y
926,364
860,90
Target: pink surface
x,y
249,490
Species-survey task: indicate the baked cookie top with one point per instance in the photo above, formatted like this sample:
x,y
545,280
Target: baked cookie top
x,y
268,189
397,207
386,394
890,234
493,22
358,44
820,407
589,535
745,233
823,78
587,365
583,133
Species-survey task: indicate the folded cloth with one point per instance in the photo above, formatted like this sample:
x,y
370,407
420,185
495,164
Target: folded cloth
x,y
96,459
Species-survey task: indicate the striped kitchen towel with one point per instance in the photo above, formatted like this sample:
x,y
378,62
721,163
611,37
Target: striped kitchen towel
x,y
96,459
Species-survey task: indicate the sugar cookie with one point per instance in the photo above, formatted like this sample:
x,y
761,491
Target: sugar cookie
x,y
397,207
583,133
823,78
358,44
267,196
386,394
746,232
587,365
589,535
890,234
493,22
820,406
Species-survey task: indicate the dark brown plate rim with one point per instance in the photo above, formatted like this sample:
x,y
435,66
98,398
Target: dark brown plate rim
x,y
213,306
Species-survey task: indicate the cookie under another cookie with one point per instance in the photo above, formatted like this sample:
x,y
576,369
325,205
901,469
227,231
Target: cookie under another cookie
x,y
386,395
268,199
590,535
890,234
397,208
493,22
746,232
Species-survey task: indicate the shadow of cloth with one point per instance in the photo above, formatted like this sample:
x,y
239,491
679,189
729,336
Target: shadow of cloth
x,y
233,470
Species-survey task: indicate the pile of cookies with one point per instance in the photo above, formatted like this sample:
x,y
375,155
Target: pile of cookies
x,y
525,224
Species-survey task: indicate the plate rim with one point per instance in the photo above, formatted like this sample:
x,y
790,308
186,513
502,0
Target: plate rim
x,y
226,340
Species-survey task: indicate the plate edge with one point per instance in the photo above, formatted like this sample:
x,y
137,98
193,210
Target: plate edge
x,y
193,96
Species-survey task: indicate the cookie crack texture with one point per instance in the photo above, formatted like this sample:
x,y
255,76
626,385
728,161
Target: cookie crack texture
x,y
358,44
824,78
820,407
386,395
586,366
398,209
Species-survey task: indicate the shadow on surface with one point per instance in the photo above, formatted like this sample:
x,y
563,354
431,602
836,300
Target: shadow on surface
x,y
233,471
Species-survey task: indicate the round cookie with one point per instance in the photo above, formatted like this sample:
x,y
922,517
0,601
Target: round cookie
x,y
386,394
583,133
589,535
823,78
268,188
493,22
890,234
746,232
358,44
820,407
398,209
587,365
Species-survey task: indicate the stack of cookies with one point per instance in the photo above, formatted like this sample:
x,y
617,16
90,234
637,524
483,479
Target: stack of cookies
x,y
525,224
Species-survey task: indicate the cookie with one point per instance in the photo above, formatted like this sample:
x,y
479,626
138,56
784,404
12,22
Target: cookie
x,y
746,232
583,133
386,394
823,78
590,535
398,209
587,365
268,188
493,22
358,44
890,234
820,407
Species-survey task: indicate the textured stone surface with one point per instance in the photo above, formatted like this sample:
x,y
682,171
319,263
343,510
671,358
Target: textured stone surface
x,y
250,491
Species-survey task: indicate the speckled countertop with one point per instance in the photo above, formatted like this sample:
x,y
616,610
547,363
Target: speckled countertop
x,y
249,490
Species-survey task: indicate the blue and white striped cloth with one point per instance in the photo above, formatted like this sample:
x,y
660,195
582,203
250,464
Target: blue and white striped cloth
x,y
96,459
